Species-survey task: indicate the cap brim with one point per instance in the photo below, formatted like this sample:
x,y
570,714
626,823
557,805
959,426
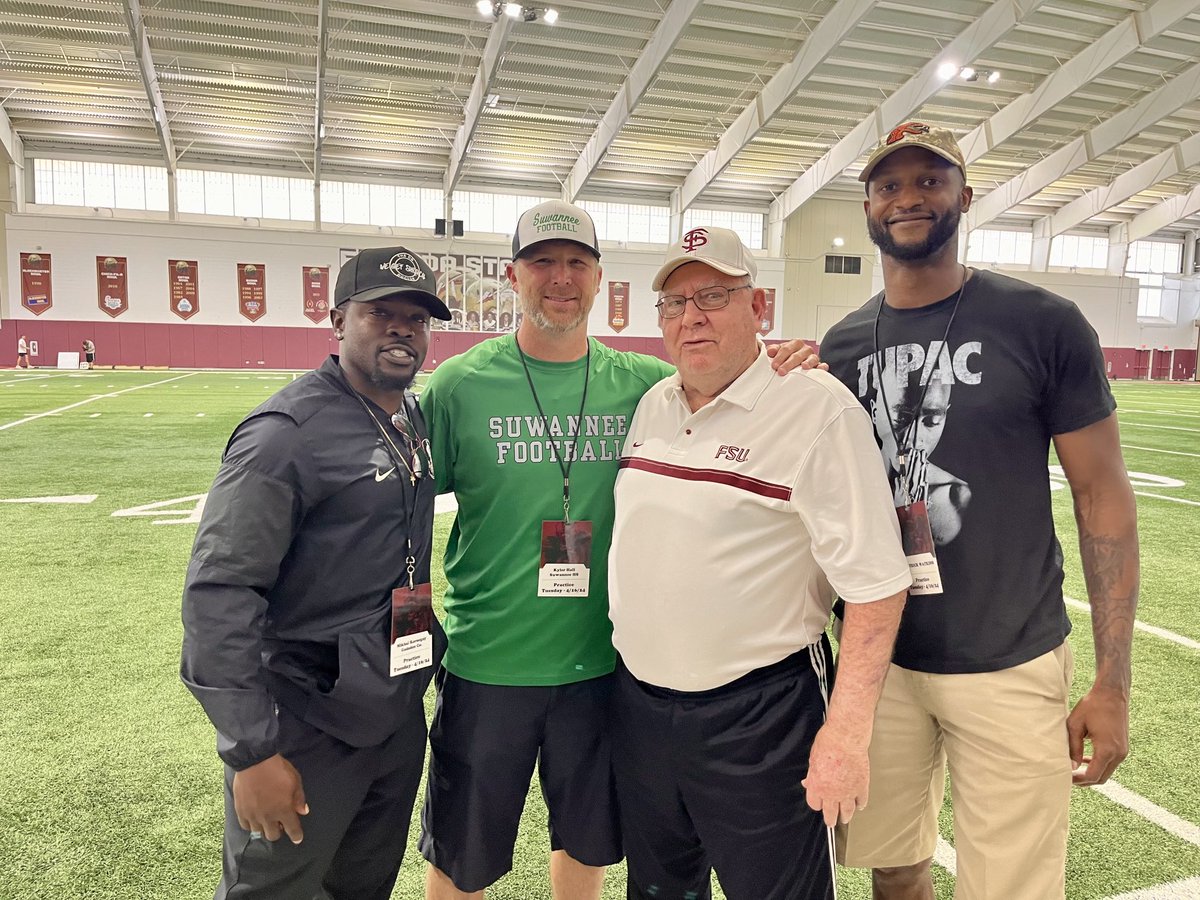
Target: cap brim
x,y
672,264
888,151
588,247
431,302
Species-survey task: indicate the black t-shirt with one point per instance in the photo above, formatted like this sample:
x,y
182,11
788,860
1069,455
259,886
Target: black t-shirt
x,y
1020,365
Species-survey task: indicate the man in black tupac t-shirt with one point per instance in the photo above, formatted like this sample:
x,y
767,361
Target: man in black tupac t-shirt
x,y
968,377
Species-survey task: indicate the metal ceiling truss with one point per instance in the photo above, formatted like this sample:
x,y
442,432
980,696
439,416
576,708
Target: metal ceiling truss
x,y
643,73
975,39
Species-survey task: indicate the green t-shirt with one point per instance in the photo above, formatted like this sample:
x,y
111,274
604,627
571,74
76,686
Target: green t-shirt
x,y
492,450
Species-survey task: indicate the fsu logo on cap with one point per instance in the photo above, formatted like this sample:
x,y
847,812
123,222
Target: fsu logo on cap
x,y
694,240
405,267
913,128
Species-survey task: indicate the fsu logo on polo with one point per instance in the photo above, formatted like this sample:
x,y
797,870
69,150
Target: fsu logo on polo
x,y
908,128
694,240
404,266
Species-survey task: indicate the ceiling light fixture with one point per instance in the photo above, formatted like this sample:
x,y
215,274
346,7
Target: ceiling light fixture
x,y
970,73
497,8
947,70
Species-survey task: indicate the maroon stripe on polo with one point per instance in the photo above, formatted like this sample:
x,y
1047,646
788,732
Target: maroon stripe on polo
x,y
717,476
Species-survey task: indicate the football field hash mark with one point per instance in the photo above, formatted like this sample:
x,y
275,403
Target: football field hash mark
x,y
61,409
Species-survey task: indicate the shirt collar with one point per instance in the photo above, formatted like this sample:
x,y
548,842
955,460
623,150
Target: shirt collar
x,y
746,388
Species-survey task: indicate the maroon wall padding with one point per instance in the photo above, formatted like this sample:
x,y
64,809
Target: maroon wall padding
x,y
181,345
1119,362
1185,365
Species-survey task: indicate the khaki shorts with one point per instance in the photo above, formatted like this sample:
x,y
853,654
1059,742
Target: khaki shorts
x,y
1004,736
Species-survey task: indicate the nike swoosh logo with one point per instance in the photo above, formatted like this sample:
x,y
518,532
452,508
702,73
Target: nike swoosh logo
x,y
638,443
379,476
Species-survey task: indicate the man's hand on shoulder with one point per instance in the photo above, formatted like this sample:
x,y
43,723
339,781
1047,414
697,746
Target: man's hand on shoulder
x,y
838,775
269,799
1102,717
794,354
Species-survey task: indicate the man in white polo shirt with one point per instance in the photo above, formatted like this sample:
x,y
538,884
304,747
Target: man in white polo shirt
x,y
743,502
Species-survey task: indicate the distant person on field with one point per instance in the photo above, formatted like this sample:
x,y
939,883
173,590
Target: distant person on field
x,y
89,353
970,377
22,353
309,636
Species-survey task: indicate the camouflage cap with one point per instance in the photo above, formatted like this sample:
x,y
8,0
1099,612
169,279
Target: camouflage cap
x,y
916,134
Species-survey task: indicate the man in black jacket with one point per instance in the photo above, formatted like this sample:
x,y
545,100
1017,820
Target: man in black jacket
x,y
307,633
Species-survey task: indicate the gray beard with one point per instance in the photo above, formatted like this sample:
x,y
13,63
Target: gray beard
x,y
536,317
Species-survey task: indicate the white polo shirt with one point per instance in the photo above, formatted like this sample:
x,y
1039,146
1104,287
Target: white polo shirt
x,y
735,525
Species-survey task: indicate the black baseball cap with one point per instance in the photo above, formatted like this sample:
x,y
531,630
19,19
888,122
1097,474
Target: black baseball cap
x,y
389,272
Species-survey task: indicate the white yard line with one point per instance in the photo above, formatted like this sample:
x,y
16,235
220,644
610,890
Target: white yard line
x,y
1151,812
1188,889
1165,497
1142,626
1164,427
1163,412
945,856
17,379
91,399
72,498
1156,450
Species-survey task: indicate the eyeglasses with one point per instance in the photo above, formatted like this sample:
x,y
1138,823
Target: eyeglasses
x,y
717,297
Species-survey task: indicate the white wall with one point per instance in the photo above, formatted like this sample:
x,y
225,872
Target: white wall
x,y
75,242
816,301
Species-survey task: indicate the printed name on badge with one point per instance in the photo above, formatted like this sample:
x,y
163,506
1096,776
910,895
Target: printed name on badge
x,y
412,629
919,549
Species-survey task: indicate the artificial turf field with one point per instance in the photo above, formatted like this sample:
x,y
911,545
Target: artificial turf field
x,y
109,783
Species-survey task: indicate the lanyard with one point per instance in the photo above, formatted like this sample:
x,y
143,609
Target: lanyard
x,y
564,467
414,473
907,441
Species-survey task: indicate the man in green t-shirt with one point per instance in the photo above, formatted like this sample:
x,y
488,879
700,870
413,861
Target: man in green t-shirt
x,y
527,432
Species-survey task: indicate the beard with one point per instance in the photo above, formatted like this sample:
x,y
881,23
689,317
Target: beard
x,y
943,229
535,314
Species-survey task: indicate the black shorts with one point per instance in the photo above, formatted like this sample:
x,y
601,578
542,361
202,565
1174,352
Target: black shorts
x,y
90,357
711,780
484,742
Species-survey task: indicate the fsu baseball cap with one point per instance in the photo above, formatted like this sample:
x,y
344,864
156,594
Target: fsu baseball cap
x,y
718,247
555,220
389,272
916,134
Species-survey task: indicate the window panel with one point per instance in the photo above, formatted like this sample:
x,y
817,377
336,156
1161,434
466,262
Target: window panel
x,y
218,193
43,181
383,204
247,196
129,184
331,202
302,209
276,197
99,188
156,188
189,190
356,203
68,182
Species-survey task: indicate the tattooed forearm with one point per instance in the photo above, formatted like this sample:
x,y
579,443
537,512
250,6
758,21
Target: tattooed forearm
x,y
1110,568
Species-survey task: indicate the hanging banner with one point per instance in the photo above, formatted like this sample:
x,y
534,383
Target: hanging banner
x,y
768,320
315,283
184,278
112,287
36,295
252,290
618,305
